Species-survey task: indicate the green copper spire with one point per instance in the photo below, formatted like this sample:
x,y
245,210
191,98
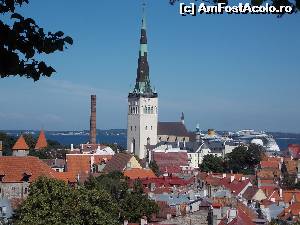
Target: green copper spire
x,y
142,85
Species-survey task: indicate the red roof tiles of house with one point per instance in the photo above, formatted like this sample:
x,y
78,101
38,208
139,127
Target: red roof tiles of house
x,y
269,164
166,181
139,173
236,187
41,142
14,169
117,163
20,144
170,161
81,164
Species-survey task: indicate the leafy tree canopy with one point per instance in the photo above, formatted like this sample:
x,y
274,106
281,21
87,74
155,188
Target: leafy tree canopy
x,y
244,159
54,202
21,40
212,163
132,202
154,167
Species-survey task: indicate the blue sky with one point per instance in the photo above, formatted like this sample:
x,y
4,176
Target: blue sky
x,y
224,71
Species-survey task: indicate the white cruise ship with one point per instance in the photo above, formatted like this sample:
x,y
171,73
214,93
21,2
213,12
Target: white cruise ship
x,y
260,138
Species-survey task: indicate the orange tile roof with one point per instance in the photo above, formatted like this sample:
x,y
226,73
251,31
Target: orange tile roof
x,y
41,142
81,163
291,166
67,177
265,174
20,144
136,173
288,195
269,164
14,168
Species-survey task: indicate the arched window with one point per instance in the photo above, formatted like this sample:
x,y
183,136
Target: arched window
x,y
148,141
146,128
133,146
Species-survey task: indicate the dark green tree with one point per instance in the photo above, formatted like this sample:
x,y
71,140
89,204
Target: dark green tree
x,y
132,201
288,180
7,143
22,40
136,205
114,183
154,167
54,202
212,163
244,159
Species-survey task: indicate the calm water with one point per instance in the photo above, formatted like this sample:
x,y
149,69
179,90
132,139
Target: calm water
x,y
121,140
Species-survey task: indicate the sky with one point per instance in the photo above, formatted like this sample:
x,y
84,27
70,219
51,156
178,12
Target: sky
x,y
226,72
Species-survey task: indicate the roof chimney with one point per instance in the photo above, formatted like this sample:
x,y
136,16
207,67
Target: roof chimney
x,y
93,131
231,178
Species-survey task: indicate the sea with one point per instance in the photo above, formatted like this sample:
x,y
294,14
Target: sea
x,y
282,142
118,136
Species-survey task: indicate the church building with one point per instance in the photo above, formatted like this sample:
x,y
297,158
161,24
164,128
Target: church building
x,y
142,105
143,128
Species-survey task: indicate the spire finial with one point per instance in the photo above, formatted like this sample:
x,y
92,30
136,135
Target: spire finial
x,y
144,15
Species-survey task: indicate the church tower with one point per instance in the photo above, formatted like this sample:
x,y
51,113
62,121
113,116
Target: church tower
x,y
142,105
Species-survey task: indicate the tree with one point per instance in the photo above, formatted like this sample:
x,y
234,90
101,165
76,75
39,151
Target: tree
x,y
54,202
132,202
244,159
7,143
277,3
154,167
23,41
288,180
135,205
212,163
114,183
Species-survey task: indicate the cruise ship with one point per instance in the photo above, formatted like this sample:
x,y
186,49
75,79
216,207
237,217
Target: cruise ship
x,y
260,138
244,136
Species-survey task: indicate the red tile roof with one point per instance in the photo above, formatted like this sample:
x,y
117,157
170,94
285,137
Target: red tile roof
x,y
81,163
170,161
117,163
269,164
137,173
15,168
236,187
20,144
41,142
166,181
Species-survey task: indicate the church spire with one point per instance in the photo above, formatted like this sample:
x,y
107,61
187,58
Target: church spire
x,y
142,85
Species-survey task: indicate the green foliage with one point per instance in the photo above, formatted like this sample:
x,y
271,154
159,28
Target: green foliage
x,y
54,202
288,180
7,142
132,202
135,205
212,163
154,167
244,159
23,41
114,183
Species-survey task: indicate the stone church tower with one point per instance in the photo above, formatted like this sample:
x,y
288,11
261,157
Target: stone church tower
x,y
142,105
